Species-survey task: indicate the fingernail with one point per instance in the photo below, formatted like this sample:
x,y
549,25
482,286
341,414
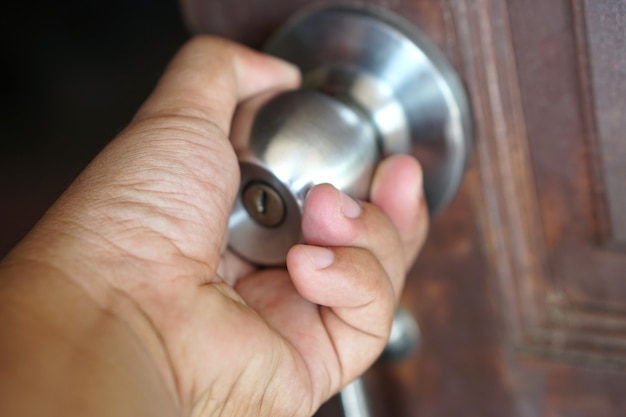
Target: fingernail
x,y
321,258
349,207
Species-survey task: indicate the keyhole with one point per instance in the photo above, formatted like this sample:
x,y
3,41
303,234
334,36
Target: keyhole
x,y
264,204
260,202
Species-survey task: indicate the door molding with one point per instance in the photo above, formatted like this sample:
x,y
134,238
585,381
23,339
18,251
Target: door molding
x,y
538,315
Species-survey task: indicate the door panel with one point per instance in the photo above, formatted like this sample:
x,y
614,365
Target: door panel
x,y
571,79
605,86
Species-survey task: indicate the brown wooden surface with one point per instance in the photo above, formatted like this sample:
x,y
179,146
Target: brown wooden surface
x,y
606,58
519,291
577,188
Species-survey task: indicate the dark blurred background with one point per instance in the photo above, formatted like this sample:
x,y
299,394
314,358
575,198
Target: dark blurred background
x,y
73,74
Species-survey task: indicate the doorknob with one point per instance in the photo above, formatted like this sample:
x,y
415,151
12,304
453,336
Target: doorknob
x,y
373,85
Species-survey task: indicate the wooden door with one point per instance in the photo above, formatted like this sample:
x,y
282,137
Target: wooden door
x,y
520,292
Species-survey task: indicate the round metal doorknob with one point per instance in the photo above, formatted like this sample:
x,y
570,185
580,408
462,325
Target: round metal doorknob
x,y
373,85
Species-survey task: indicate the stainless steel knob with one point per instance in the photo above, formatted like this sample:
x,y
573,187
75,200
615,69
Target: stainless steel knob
x,y
373,85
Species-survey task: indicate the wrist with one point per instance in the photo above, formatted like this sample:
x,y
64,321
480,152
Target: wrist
x,y
70,351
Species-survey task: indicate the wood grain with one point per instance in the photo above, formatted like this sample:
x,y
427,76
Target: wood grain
x,y
605,24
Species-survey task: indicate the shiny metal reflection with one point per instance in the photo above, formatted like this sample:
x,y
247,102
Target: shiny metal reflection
x,y
373,86
379,61
354,399
296,140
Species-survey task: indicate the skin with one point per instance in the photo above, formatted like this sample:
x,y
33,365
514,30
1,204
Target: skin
x,y
125,301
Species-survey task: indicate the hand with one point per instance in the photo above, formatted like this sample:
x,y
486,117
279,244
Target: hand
x,y
142,234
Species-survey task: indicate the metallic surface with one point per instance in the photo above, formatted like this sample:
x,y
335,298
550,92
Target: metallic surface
x,y
373,86
292,141
385,66
354,399
404,338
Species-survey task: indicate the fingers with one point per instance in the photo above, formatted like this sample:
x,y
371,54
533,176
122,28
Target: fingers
x,y
351,281
330,218
356,302
338,277
209,76
393,226
397,190
356,257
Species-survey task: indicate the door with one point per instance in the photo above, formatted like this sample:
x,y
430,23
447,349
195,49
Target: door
x,y
520,292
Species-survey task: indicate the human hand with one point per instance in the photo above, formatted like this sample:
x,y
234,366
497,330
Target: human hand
x,y
143,230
